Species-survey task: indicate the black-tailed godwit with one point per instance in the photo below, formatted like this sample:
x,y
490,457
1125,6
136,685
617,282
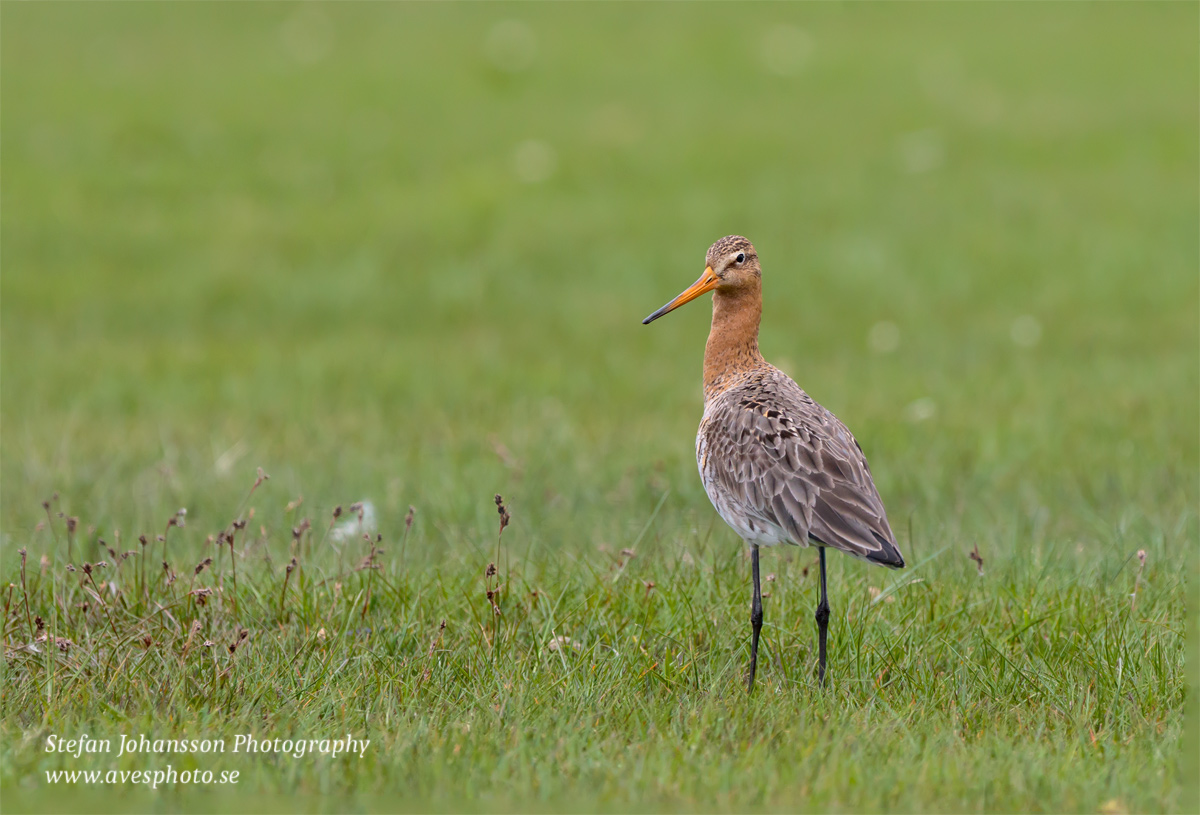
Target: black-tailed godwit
x,y
778,467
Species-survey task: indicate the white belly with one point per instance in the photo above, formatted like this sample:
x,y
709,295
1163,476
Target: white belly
x,y
751,527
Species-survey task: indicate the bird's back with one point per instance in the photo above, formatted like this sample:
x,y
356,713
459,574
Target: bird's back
x,y
779,468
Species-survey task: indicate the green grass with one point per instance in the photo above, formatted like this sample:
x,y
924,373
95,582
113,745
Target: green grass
x,y
262,235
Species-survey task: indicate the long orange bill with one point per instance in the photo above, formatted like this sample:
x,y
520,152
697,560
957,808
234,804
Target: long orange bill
x,y
707,282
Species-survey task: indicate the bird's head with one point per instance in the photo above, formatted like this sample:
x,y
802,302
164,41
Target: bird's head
x,y
731,266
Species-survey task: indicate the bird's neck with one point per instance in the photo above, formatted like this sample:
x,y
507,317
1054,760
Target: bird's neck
x,y
732,347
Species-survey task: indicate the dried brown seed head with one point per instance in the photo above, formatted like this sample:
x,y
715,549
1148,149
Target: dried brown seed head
x,y
975,556
503,512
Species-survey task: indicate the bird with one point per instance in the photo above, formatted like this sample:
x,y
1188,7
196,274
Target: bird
x,y
778,467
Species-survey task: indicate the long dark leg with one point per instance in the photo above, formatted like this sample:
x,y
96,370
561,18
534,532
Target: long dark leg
x,y
822,621
755,617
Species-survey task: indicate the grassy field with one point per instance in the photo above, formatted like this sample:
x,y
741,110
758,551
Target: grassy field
x,y
398,254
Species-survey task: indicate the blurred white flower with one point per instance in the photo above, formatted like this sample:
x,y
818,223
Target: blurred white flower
x,y
941,76
353,528
307,34
614,125
921,410
534,161
862,252
786,49
1026,331
562,643
224,462
511,46
921,151
884,337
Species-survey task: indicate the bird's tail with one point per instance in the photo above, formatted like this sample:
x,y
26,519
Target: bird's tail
x,y
888,553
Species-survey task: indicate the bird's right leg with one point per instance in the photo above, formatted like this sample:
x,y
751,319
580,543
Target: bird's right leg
x,y
756,617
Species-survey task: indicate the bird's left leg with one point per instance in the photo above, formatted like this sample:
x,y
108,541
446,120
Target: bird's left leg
x,y
822,621
756,617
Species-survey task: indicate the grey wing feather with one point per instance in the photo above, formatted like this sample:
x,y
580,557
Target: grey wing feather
x,y
784,459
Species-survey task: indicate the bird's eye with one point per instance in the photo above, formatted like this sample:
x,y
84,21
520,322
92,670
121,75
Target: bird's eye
x,y
741,257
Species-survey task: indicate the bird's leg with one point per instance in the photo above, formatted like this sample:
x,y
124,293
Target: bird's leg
x,y
755,617
822,621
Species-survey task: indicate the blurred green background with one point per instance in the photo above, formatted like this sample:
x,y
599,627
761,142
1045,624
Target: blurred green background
x,y
401,252
364,246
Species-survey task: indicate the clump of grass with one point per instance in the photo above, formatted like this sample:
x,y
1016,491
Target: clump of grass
x,y
649,659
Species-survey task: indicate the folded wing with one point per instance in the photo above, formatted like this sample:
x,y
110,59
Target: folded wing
x,y
785,460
